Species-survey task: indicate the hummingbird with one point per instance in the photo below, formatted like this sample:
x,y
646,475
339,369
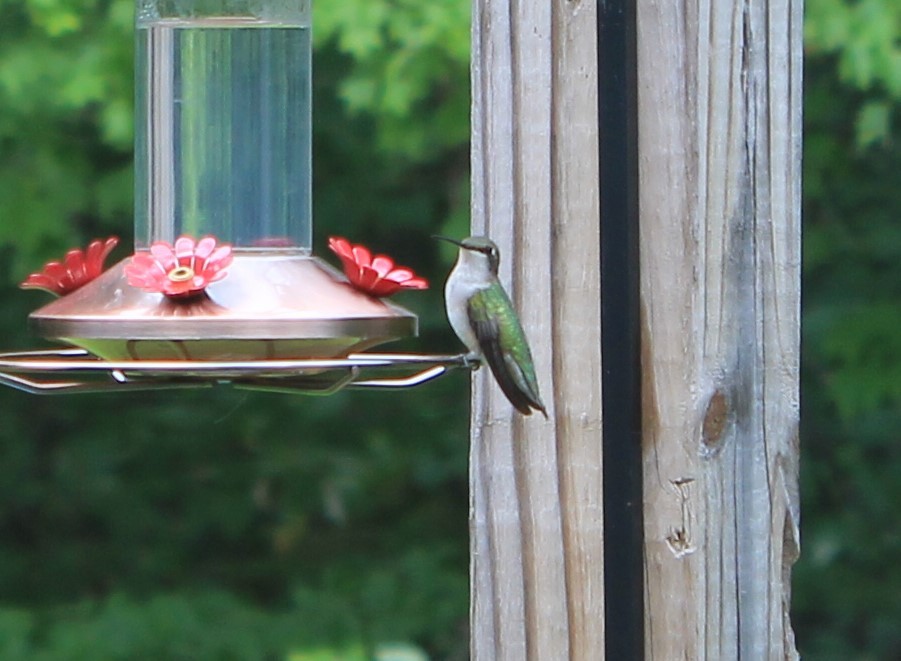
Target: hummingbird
x,y
482,316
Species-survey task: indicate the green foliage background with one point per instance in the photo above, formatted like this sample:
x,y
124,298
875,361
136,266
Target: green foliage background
x,y
234,525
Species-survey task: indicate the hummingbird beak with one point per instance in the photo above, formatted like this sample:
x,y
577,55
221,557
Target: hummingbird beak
x,y
448,239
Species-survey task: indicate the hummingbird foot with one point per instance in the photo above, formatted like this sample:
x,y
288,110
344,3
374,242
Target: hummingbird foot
x,y
472,360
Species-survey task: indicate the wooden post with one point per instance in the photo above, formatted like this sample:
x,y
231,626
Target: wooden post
x,y
719,153
536,514
720,145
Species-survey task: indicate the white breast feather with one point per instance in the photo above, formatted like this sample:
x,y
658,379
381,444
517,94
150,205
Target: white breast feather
x,y
458,290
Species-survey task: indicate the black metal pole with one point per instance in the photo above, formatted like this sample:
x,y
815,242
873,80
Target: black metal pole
x,y
620,332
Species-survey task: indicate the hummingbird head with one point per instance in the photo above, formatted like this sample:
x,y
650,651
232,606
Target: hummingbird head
x,y
477,251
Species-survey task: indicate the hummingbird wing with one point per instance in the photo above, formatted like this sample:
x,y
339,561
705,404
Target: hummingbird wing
x,y
503,343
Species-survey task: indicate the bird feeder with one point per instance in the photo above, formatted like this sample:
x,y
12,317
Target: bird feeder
x,y
223,151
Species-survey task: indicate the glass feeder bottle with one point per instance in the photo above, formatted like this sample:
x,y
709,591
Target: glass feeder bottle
x,y
223,123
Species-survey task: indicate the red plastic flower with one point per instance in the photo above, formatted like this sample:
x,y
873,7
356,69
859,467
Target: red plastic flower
x,y
182,270
377,275
77,269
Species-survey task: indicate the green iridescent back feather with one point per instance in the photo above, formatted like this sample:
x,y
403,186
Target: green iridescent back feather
x,y
505,348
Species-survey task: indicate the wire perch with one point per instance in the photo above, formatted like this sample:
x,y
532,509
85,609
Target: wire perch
x,y
72,370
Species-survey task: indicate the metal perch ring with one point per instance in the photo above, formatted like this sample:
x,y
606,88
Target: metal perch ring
x,y
70,370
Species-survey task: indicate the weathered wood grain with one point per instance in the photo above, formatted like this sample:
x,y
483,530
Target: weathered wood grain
x,y
719,130
719,133
536,515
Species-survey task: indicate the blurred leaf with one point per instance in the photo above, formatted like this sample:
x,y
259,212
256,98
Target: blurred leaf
x,y
874,124
16,629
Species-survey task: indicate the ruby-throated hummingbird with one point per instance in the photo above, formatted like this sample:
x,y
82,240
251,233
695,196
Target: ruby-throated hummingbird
x,y
482,316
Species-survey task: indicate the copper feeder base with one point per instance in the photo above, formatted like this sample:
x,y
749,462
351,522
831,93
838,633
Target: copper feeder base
x,y
269,307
